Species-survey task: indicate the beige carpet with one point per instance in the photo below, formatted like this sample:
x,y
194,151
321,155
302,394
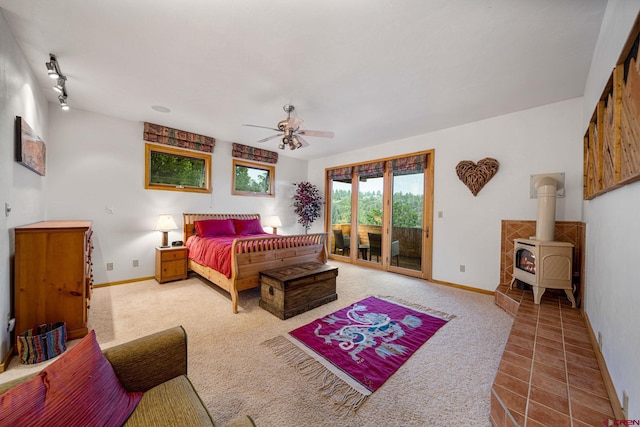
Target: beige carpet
x,y
445,383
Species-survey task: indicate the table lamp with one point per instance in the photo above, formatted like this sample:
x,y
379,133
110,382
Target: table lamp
x,y
165,224
274,222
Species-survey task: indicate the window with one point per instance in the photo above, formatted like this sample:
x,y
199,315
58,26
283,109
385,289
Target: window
x,y
252,179
174,169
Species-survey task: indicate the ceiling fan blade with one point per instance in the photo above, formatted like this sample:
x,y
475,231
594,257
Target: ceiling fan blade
x,y
262,127
321,133
302,141
295,122
270,138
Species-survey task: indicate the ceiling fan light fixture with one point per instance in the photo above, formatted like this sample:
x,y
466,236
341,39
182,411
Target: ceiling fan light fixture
x,y
289,130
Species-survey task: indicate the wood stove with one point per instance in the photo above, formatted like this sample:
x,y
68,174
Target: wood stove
x,y
540,261
544,265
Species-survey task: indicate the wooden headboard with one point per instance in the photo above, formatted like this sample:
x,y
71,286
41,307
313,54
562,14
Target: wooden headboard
x,y
190,219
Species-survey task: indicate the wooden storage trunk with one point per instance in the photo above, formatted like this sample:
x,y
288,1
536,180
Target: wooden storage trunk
x,y
289,291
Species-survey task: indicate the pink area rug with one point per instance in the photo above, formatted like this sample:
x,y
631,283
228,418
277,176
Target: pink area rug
x,y
356,349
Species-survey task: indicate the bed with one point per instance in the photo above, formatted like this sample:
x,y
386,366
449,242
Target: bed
x,y
248,255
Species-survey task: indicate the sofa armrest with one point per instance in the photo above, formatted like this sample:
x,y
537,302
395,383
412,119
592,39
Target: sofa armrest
x,y
146,362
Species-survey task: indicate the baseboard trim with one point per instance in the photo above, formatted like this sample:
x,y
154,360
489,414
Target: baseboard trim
x,y
466,288
608,383
7,358
121,282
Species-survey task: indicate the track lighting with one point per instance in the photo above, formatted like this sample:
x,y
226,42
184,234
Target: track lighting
x,y
53,71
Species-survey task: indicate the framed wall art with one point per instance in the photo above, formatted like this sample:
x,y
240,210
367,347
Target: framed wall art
x,y
612,141
31,151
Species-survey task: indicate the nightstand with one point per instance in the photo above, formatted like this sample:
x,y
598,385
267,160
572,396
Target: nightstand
x,y
171,263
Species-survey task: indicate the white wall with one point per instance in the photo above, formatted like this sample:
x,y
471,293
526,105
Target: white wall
x,y
612,289
540,140
98,163
19,186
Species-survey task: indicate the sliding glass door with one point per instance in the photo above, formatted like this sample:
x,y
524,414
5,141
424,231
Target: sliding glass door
x,y
384,210
340,190
407,212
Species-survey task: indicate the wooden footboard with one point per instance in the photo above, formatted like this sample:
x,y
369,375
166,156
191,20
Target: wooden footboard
x,y
251,255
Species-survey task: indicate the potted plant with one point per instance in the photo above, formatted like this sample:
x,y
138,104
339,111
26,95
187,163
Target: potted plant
x,y
307,203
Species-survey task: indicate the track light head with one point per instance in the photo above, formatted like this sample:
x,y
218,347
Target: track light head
x,y
51,70
63,102
52,67
298,144
282,143
59,87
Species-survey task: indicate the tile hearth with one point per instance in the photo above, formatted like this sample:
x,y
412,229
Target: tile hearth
x,y
549,374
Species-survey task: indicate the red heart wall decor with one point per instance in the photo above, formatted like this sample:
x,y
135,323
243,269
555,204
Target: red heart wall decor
x,y
475,176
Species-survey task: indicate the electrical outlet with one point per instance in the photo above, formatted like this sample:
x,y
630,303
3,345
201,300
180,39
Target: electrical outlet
x,y
462,268
625,404
136,263
440,214
109,266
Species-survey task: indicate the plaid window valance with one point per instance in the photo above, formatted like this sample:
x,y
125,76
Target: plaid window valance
x,y
340,174
371,170
177,138
408,165
256,154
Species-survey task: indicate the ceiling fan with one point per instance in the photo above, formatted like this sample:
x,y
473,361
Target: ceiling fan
x,y
290,131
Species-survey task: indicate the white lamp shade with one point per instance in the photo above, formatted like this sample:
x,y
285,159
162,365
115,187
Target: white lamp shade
x,y
273,221
165,223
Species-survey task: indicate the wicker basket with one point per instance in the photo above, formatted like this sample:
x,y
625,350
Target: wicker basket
x,y
42,343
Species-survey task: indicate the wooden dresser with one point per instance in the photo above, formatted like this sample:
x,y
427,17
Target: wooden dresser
x,y
53,275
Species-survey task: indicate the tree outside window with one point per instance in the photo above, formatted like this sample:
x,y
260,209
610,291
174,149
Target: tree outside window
x,y
174,169
252,179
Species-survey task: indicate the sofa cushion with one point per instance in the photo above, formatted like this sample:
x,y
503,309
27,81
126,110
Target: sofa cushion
x,y
172,403
248,226
214,227
79,388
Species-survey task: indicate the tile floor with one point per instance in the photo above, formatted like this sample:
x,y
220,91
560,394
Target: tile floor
x,y
549,375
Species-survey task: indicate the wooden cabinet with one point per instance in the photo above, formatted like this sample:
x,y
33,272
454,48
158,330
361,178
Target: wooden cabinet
x,y
53,275
171,264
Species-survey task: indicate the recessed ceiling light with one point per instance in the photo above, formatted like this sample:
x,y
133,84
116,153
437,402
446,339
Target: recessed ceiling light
x,y
160,109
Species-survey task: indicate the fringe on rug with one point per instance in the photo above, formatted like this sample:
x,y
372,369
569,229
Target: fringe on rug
x,y
440,314
344,396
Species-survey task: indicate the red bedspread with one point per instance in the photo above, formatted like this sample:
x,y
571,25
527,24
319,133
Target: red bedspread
x,y
214,252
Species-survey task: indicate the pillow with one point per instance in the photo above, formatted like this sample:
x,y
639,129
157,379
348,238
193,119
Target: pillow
x,y
79,388
214,227
248,226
